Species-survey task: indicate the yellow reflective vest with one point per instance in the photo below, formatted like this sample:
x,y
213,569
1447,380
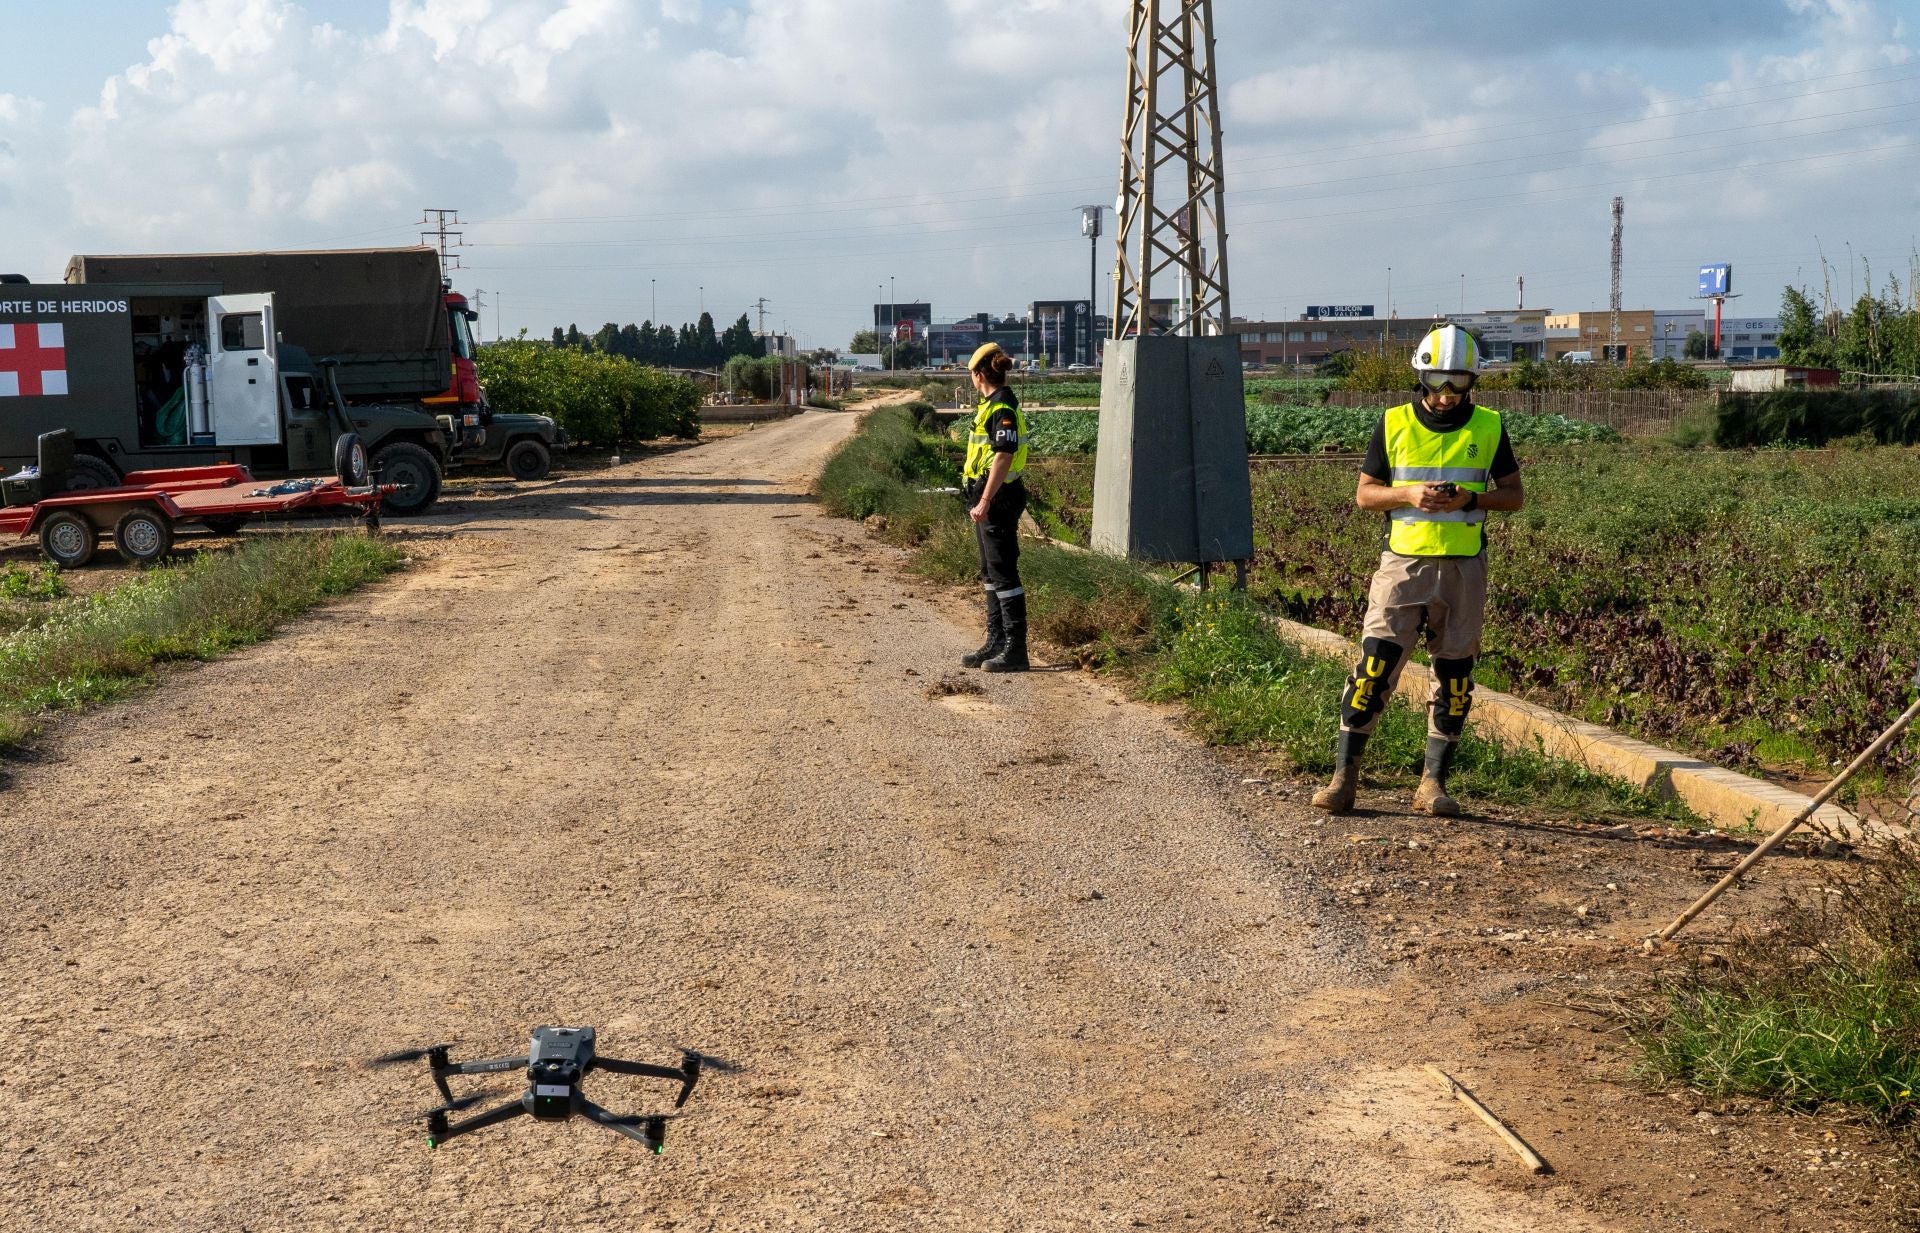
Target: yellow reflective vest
x,y
1417,455
980,440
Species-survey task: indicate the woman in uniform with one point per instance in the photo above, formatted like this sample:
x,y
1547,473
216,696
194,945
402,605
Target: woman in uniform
x,y
996,496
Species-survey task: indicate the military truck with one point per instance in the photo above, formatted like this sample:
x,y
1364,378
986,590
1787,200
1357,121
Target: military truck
x,y
151,376
398,332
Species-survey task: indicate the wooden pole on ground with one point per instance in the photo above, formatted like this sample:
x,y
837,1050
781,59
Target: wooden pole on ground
x,y
1527,1155
1774,840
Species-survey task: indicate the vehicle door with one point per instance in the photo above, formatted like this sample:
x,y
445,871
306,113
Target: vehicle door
x,y
309,428
243,380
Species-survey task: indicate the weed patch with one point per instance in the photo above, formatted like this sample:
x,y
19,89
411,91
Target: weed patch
x,y
1821,1007
84,651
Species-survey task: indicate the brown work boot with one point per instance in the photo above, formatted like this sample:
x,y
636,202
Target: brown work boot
x,y
1337,796
1431,797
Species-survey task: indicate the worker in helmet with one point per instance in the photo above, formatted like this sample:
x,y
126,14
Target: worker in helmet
x,y
1435,467
996,496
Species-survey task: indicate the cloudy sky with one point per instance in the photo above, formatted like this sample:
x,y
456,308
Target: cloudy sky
x,y
606,152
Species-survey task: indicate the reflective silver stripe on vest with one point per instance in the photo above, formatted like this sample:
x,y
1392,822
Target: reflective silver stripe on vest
x,y
1439,475
1419,515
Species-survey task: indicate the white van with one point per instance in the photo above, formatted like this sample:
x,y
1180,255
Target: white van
x,y
1577,357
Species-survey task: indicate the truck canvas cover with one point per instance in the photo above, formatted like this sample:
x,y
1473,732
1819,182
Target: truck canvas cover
x,y
379,311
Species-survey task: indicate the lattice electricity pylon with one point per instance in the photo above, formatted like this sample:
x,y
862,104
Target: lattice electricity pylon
x,y
1172,196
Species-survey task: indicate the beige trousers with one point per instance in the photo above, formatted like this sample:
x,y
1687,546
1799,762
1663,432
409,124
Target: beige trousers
x,y
1444,597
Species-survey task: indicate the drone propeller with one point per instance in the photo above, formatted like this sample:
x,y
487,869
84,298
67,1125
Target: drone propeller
x,y
706,1061
406,1055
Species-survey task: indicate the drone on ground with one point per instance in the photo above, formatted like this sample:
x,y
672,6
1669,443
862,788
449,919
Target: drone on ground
x,y
558,1062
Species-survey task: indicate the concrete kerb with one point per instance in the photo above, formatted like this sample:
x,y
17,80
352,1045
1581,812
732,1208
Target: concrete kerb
x,y
1725,798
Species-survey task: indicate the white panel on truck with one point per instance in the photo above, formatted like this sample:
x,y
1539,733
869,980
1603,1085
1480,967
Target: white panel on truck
x,y
243,379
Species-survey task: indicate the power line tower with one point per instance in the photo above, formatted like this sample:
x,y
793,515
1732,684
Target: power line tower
x,y
437,228
1613,302
761,306
1172,194
1170,478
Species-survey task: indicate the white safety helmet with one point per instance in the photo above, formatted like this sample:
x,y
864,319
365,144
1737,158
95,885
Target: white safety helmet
x,y
1447,348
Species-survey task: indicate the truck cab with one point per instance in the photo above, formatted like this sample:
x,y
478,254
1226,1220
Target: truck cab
x,y
151,376
523,444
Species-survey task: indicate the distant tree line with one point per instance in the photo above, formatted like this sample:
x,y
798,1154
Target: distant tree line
x,y
1879,336
663,346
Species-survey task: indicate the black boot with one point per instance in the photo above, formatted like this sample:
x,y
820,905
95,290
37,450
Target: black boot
x,y
1013,615
1431,797
996,635
1337,796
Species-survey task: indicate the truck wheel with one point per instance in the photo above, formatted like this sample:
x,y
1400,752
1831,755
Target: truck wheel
x,y
350,460
529,460
418,475
68,539
143,536
87,474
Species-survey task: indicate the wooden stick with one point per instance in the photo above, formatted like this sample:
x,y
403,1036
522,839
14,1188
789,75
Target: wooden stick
x,y
1527,1155
1774,840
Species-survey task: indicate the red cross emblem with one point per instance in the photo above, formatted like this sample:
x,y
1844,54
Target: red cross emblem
x,y
33,360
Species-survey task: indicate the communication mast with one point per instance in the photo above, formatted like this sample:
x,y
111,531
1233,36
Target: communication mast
x,y
1172,202
437,228
1613,302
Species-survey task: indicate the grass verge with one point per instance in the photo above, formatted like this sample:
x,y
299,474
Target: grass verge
x,y
1216,653
1821,1008
81,651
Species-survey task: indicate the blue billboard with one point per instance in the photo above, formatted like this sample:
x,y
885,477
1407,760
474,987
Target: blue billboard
x,y
1716,280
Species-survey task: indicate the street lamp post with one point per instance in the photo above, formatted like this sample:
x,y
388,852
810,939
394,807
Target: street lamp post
x,y
893,325
653,291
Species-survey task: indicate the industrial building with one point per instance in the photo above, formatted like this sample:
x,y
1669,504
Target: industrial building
x,y
1314,340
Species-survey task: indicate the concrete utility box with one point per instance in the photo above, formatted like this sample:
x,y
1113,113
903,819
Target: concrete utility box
x,y
1170,480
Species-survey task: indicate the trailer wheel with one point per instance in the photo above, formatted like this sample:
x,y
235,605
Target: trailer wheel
x,y
529,460
68,539
88,474
350,460
418,475
143,536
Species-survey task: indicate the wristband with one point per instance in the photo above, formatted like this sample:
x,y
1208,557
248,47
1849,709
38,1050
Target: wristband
x,y
1473,502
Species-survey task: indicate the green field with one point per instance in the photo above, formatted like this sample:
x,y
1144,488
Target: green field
x,y
1304,429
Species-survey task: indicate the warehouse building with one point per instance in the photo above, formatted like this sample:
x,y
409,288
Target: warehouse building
x,y
1314,340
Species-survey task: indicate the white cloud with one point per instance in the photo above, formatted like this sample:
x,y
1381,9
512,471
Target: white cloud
x,y
806,150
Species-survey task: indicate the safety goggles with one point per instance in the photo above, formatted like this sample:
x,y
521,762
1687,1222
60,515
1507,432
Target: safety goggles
x,y
1446,382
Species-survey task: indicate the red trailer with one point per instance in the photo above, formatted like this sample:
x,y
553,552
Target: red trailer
x,y
143,512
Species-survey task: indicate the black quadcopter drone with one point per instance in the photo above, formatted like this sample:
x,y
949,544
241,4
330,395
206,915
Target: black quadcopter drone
x,y
557,1062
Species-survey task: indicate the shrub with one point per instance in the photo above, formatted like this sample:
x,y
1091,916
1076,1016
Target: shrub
x,y
599,399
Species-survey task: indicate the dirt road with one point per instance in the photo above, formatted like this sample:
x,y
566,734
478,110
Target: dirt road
x,y
652,749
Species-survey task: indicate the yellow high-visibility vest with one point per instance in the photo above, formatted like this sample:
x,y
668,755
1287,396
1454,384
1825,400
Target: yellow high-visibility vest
x,y
1417,455
980,441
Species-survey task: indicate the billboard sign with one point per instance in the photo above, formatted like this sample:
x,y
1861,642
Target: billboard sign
x,y
1716,280
1316,312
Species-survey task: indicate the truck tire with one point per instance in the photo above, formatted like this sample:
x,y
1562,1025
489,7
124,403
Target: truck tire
x,y
350,460
529,460
68,539
88,474
418,475
143,535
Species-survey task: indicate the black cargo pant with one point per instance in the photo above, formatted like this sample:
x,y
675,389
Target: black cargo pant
x,y
999,536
